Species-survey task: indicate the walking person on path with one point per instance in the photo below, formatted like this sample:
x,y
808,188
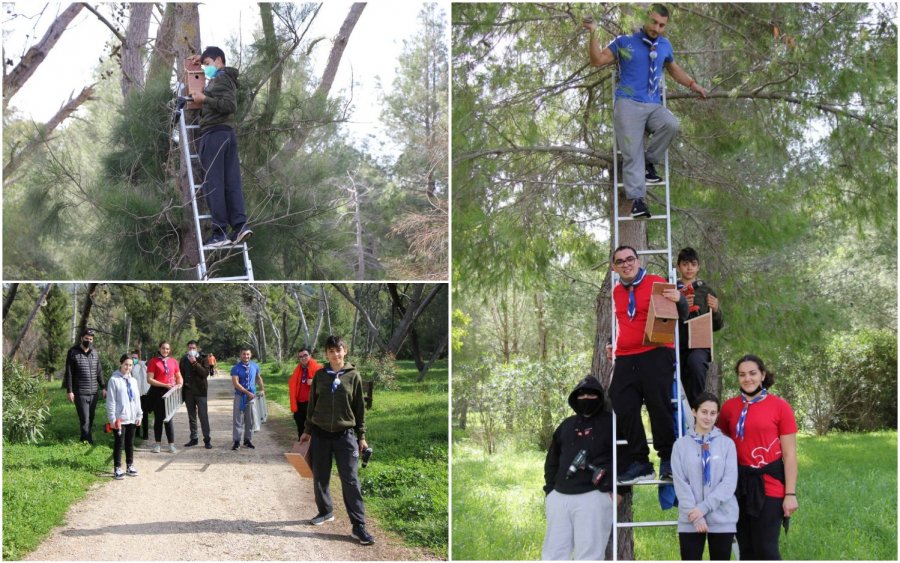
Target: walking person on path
x,y
335,428
641,57
123,411
195,370
244,377
764,431
83,380
704,469
163,374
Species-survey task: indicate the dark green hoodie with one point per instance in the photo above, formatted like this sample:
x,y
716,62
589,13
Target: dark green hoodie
x,y
221,99
339,410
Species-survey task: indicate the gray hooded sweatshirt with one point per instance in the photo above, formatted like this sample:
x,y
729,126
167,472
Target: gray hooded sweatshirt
x,y
716,500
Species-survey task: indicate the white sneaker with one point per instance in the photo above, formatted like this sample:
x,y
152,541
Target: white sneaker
x,y
131,471
155,449
172,449
118,474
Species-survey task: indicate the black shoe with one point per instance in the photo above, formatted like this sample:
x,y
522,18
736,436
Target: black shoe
x,y
651,177
320,519
193,442
249,444
240,235
236,445
364,537
636,472
665,470
207,444
218,240
639,209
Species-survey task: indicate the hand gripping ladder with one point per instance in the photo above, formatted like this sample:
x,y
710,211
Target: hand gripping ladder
x,y
678,399
186,134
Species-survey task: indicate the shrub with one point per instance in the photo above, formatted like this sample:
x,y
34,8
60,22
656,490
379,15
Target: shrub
x,y
380,368
25,404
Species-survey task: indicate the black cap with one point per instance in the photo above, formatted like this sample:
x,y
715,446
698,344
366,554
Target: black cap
x,y
88,332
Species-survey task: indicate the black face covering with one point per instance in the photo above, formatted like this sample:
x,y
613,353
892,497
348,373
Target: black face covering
x,y
85,343
587,407
756,392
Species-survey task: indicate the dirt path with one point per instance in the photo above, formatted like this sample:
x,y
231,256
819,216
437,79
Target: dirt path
x,y
213,504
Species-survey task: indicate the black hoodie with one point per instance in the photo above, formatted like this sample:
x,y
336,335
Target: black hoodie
x,y
593,433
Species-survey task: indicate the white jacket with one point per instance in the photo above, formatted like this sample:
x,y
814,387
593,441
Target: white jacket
x,y
118,405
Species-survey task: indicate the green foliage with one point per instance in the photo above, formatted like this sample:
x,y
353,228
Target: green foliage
x,y
837,475
54,322
380,368
848,383
25,404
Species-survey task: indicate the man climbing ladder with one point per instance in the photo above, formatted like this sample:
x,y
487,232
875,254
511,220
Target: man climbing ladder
x,y
639,102
219,151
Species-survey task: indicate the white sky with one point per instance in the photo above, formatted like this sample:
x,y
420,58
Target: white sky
x,y
375,44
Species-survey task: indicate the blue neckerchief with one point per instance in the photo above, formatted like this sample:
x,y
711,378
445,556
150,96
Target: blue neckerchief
x,y
632,303
337,378
653,85
743,418
244,399
705,456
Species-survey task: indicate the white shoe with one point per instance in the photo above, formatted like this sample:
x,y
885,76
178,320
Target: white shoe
x,y
172,449
155,449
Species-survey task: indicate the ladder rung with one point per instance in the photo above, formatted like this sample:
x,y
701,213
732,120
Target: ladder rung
x,y
242,247
646,524
654,218
647,482
659,185
195,157
192,127
231,278
202,217
621,442
646,252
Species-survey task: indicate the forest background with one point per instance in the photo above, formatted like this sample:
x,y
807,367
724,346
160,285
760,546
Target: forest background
x,y
784,180
325,201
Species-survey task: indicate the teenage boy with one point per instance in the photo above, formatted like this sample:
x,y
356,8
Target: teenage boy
x,y
219,150
701,299
641,57
335,424
244,377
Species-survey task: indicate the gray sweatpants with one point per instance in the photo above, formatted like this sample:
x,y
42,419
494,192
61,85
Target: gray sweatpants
x,y
578,526
243,421
632,119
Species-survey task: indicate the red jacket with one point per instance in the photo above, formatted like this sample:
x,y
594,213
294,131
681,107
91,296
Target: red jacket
x,y
294,383
630,338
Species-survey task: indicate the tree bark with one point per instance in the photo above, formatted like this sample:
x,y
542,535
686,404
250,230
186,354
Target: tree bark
x,y
270,56
346,293
86,310
162,56
133,46
41,301
437,354
35,55
415,308
9,298
302,323
298,139
413,336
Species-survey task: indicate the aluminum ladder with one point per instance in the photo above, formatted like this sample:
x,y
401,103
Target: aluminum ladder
x,y
667,251
185,135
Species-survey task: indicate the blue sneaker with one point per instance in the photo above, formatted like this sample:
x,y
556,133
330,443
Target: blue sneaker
x,y
218,240
364,537
239,236
636,472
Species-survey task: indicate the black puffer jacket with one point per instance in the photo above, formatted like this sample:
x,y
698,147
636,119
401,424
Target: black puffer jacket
x,y
84,374
593,433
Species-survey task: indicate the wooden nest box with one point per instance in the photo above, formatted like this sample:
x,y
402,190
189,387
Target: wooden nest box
x,y
700,332
194,81
662,318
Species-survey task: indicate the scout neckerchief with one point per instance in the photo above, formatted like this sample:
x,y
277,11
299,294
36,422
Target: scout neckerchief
x,y
337,377
244,399
632,304
743,418
705,456
654,79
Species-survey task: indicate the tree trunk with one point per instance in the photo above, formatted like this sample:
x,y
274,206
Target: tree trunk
x,y
413,336
41,300
86,310
127,332
133,47
321,310
36,54
187,42
415,308
162,57
346,293
437,354
298,139
269,52
9,298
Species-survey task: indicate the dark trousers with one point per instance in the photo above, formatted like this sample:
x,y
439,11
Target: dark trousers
x,y
692,546
196,406
645,378
86,406
758,536
222,177
694,365
159,415
345,451
300,418
146,406
126,438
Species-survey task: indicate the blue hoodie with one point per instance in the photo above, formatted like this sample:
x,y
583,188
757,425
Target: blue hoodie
x,y
716,500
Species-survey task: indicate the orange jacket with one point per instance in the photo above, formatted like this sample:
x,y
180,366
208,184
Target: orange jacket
x,y
294,383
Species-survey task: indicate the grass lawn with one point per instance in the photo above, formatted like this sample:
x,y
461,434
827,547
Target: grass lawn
x,y
405,485
847,487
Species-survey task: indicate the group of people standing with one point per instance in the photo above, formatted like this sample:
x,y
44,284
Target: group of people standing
x,y
328,402
735,471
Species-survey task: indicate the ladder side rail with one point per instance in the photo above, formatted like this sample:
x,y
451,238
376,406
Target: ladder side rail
x,y
186,154
248,266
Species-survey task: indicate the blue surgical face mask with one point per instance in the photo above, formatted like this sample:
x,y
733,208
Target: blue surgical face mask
x,y
210,71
